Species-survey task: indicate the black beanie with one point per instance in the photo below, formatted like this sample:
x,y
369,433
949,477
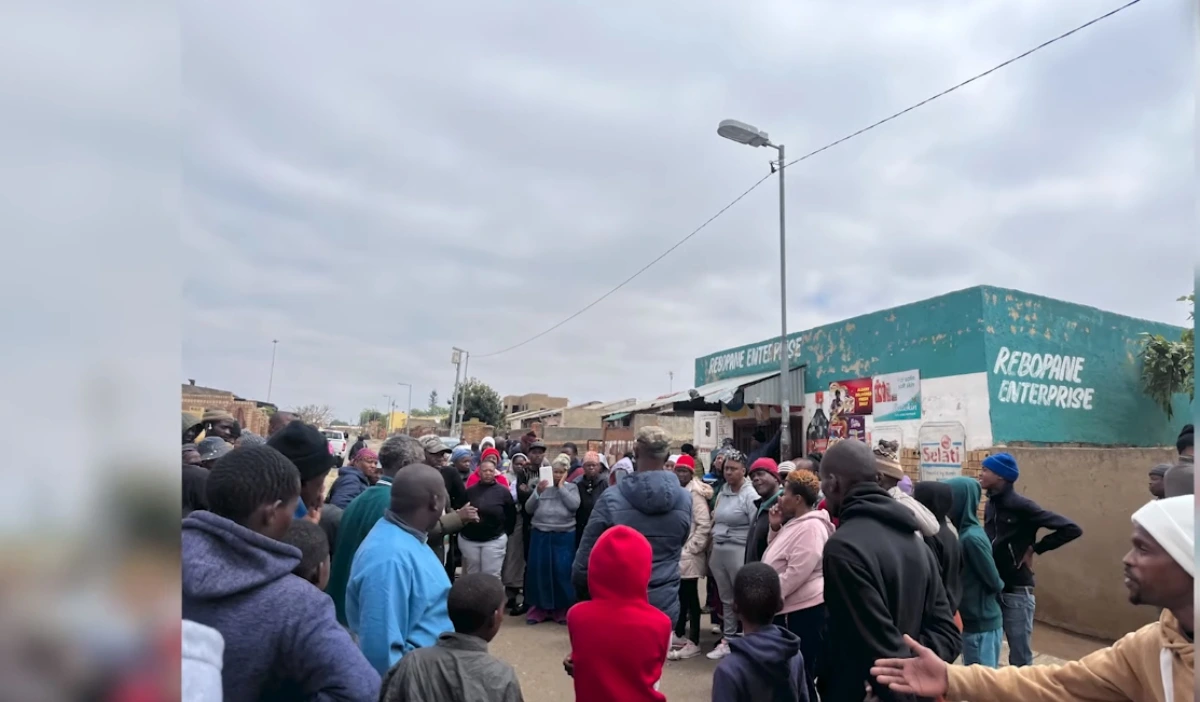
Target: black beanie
x,y
306,447
1186,438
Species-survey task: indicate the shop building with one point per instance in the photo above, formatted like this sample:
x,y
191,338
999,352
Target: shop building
x,y
962,375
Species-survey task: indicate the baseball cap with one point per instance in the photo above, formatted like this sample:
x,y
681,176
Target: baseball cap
x,y
433,444
537,444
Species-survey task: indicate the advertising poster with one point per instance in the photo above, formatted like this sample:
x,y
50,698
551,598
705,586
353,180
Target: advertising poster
x,y
817,436
705,430
897,396
848,397
856,428
943,450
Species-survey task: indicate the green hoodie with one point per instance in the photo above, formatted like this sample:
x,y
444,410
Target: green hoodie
x,y
980,605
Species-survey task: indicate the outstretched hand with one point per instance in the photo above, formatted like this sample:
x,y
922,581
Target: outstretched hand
x,y
924,675
468,514
569,665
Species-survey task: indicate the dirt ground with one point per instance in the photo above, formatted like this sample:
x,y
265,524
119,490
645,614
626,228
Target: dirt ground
x,y
536,652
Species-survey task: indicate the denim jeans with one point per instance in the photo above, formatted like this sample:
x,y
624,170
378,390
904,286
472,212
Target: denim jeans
x,y
1017,608
982,648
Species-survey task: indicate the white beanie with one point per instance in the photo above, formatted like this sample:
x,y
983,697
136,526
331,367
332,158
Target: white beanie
x,y
1172,523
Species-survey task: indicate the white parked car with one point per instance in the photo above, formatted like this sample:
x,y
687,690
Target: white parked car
x,y
337,444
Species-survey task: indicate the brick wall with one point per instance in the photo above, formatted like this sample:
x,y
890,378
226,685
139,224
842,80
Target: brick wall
x,y
246,412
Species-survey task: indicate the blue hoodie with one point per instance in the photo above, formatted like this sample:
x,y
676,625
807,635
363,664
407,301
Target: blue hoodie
x,y
653,504
351,482
282,641
765,666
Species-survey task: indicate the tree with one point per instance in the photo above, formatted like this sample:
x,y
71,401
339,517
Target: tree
x,y
481,402
316,415
369,415
433,401
1168,367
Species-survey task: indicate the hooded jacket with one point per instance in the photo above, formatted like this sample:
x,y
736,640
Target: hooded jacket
x,y
654,505
795,553
939,499
881,582
351,482
590,490
279,630
981,583
765,666
202,651
1140,667
693,564
623,661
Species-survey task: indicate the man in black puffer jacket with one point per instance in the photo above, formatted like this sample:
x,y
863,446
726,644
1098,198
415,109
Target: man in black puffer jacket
x,y
881,580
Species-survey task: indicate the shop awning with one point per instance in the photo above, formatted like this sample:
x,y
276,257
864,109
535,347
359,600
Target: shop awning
x,y
719,391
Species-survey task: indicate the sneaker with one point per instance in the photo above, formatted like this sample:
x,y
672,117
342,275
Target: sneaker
x,y
716,629
688,650
719,652
678,641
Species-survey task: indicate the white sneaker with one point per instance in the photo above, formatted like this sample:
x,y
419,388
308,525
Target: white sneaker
x,y
719,652
678,641
716,629
688,650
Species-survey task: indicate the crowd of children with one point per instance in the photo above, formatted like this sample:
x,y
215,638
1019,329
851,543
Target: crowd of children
x,y
870,608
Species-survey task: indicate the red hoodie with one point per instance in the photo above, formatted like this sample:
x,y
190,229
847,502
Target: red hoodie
x,y
619,642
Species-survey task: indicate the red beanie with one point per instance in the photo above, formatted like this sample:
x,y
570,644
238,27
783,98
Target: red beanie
x,y
766,464
686,460
490,453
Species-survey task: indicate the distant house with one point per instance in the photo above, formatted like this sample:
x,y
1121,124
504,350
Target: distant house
x,y
253,415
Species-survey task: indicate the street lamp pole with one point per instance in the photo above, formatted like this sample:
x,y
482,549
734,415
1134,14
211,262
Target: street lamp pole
x,y
389,417
408,412
271,379
751,136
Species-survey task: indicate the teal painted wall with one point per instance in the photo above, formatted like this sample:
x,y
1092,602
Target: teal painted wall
x,y
1036,341
940,336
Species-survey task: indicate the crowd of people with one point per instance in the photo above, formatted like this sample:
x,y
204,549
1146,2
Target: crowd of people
x,y
828,577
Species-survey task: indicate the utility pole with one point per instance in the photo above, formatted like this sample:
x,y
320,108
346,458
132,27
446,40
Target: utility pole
x,y
271,380
389,417
671,386
462,403
456,359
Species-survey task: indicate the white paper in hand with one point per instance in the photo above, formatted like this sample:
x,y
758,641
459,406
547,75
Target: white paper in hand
x,y
546,473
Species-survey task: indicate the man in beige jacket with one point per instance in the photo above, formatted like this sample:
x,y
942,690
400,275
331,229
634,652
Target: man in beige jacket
x,y
1153,663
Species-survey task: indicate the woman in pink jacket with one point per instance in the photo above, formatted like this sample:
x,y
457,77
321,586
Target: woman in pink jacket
x,y
796,543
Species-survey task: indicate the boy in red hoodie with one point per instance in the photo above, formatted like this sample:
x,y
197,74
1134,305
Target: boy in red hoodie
x,y
618,662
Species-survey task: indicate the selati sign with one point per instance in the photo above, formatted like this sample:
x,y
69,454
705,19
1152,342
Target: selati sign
x,y
943,450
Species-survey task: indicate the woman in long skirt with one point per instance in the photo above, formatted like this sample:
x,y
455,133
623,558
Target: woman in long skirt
x,y
548,589
513,572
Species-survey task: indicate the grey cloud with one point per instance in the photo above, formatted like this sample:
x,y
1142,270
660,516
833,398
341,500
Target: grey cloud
x,y
377,186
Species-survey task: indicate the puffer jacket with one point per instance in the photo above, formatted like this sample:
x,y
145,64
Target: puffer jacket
x,y
694,561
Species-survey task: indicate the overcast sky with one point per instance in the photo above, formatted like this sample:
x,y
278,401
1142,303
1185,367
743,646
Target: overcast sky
x,y
374,182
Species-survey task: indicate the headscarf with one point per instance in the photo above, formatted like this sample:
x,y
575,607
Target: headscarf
x,y
562,460
459,453
366,453
487,441
592,457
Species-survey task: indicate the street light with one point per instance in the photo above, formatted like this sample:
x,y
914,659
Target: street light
x,y
749,135
389,417
408,413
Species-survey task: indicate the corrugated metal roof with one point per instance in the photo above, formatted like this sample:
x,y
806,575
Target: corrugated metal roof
x,y
720,391
766,391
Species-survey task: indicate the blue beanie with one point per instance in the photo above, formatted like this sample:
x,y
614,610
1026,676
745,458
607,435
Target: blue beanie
x,y
1003,465
460,452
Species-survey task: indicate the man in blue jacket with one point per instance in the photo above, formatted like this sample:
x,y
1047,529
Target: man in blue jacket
x,y
396,595
651,502
1012,522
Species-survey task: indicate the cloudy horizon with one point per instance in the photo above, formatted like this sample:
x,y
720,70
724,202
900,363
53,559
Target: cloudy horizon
x,y
373,187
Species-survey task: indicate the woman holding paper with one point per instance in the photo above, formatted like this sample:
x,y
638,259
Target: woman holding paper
x,y
548,590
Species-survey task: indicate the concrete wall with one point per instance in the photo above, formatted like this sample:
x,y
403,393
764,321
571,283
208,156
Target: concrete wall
x,y
583,418
679,429
1060,372
1079,587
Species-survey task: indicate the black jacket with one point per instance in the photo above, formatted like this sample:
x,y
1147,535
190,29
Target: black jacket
x,y
938,498
497,513
589,492
195,480
881,582
456,487
1012,521
756,540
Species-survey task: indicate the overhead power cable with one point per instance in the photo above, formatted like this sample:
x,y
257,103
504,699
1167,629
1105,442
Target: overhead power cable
x,y
805,157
